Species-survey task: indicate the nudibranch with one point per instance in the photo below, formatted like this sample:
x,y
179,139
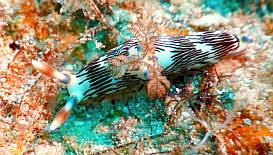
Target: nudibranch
x,y
173,54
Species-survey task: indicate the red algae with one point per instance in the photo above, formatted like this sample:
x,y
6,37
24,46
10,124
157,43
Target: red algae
x,y
243,138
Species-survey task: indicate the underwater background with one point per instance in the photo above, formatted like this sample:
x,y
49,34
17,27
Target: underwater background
x,y
226,108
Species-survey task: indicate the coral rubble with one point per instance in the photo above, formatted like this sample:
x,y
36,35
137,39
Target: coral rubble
x,y
226,108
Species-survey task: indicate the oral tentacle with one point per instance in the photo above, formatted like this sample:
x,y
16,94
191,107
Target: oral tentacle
x,y
62,115
49,71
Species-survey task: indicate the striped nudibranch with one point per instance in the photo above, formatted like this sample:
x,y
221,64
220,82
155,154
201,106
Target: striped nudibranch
x,y
174,54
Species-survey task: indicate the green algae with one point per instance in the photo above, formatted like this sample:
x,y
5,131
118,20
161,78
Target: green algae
x,y
107,37
78,23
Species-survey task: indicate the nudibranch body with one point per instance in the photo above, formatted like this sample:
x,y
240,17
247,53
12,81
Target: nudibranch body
x,y
173,54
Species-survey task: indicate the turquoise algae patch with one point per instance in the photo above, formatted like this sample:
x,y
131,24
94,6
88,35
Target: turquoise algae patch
x,y
83,123
226,7
120,20
226,97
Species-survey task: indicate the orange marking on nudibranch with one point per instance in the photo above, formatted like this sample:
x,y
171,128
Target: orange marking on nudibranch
x,y
61,116
43,68
46,69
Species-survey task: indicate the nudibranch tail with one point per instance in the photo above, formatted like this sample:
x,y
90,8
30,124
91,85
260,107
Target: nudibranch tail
x,y
62,115
51,72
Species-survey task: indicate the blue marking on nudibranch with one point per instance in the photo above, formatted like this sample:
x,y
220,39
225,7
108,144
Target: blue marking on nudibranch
x,y
71,101
146,73
139,48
